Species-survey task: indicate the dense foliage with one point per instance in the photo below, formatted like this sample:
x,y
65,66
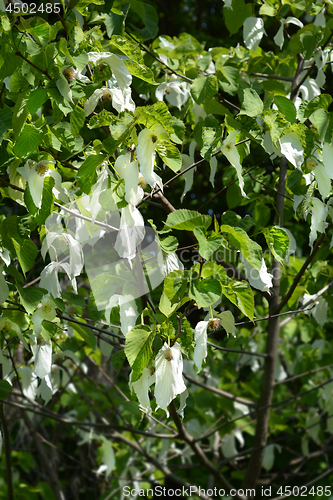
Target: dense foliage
x,y
165,249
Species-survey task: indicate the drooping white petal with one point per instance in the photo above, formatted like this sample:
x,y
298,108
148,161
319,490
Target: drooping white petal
x,y
122,99
49,279
279,37
295,21
230,152
141,387
292,149
171,263
175,92
200,338
127,309
323,180
261,280
64,89
91,103
29,382
42,358
169,375
131,232
129,171
253,31
147,140
116,63
35,174
319,214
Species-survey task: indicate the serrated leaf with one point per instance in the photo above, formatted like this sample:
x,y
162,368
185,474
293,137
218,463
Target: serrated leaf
x,y
207,244
187,220
252,104
138,349
28,141
103,119
157,114
204,291
319,102
249,248
30,297
204,88
169,154
26,254
286,107
77,118
20,113
169,244
149,16
278,242
175,285
36,99
87,175
240,294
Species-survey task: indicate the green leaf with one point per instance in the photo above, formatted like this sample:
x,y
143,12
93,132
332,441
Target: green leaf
x,y
175,285
5,389
5,120
286,107
204,291
240,294
252,104
210,138
138,349
120,129
204,88
235,15
87,175
232,219
140,71
165,305
207,244
26,254
278,242
276,123
28,141
36,99
114,23
157,114
169,244
20,113
77,118
30,297
319,102
103,119
250,249
85,334
149,16
169,154
187,220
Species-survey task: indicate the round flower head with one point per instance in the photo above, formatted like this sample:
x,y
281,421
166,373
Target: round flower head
x,y
69,73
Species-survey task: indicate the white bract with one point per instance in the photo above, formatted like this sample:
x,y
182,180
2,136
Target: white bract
x,y
129,171
319,311
121,98
142,386
147,142
279,37
42,358
261,280
117,65
175,91
4,260
127,309
169,375
35,173
253,31
67,75
131,232
230,152
292,149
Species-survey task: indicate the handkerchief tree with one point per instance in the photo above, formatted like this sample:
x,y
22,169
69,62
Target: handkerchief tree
x,y
165,251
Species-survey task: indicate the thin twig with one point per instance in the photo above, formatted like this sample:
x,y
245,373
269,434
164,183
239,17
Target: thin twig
x,y
18,53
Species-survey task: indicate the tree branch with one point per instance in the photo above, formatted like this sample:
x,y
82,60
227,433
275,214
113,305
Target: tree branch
x,y
5,432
